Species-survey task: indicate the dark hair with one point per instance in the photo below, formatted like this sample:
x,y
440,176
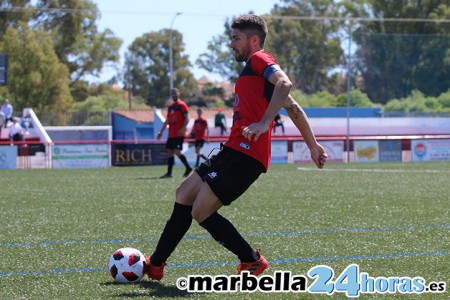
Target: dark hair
x,y
250,25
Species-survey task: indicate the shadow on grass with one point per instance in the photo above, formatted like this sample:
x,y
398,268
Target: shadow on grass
x,y
155,289
148,178
159,178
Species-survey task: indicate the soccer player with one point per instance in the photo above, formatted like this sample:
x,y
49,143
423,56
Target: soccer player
x,y
220,121
278,122
261,90
177,119
200,132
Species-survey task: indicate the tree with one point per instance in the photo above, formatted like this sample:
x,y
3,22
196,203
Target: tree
x,y
417,102
81,90
77,41
395,58
37,78
107,102
147,67
308,50
10,18
220,58
319,99
357,99
212,94
444,100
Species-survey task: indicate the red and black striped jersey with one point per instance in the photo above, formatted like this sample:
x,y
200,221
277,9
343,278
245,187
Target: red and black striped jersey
x,y
253,92
199,128
176,116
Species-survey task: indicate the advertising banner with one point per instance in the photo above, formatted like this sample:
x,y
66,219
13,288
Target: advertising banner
x,y
80,156
8,157
138,154
430,150
279,153
334,149
390,150
366,151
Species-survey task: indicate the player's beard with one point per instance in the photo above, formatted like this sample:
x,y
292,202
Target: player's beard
x,y
240,57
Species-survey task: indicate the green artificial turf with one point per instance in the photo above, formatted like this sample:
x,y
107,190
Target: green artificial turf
x,y
58,228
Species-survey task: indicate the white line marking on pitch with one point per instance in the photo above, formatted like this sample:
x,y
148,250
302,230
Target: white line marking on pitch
x,y
374,170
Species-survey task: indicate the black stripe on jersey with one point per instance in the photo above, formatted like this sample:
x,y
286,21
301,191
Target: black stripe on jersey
x,y
268,87
248,70
268,90
203,122
176,107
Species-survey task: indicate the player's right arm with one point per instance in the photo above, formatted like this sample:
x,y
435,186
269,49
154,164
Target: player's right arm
x,y
160,133
300,120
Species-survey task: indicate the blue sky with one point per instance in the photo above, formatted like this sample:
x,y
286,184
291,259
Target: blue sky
x,y
199,22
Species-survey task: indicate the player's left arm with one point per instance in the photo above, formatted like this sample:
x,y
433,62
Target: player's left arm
x,y
300,120
282,87
186,121
192,134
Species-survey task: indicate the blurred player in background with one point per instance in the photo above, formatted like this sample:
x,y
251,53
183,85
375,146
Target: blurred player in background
x,y
278,123
177,120
220,121
200,133
261,90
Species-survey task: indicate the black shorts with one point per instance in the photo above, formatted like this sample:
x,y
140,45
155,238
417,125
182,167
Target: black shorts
x,y
175,143
229,174
199,143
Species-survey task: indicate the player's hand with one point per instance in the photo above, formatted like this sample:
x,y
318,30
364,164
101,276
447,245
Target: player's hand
x,y
159,135
254,129
318,155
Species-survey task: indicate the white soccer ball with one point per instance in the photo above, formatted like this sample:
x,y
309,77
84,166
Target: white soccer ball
x,y
127,265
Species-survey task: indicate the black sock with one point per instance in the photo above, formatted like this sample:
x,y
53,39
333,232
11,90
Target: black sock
x,y
198,161
184,161
176,227
170,162
226,234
